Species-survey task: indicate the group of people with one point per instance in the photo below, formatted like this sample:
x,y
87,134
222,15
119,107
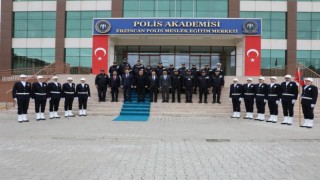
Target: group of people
x,y
40,92
273,94
160,79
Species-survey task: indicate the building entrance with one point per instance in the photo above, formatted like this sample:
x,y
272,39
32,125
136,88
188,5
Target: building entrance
x,y
176,55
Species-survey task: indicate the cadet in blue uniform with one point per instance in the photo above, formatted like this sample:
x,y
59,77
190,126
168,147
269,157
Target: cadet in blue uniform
x,y
113,68
218,68
83,94
217,83
309,98
289,94
54,94
261,98
274,94
39,95
204,85
248,96
21,92
235,95
195,73
153,85
188,85
68,92
102,81
114,85
176,83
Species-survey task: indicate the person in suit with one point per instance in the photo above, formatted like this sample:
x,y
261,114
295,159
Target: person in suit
x,y
176,83
54,95
153,85
248,96
21,93
39,95
83,94
217,83
141,83
274,94
188,85
68,93
101,82
289,95
165,83
127,82
309,98
235,95
114,85
204,85
261,98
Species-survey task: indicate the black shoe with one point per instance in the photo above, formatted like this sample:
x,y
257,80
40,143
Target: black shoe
x,y
219,102
20,121
43,119
173,101
205,102
191,102
179,101
213,102
200,101
38,119
26,120
112,100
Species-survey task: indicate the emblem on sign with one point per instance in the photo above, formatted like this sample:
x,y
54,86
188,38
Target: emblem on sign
x,y
103,26
250,27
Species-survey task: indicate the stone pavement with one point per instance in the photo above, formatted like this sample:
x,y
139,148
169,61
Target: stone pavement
x,y
162,148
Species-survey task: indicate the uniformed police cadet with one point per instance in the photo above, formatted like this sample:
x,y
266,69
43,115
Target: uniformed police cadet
x,y
274,95
113,68
204,85
289,94
188,85
171,70
235,95
54,94
21,93
160,69
68,92
176,83
83,94
195,73
261,98
218,68
123,66
309,98
217,83
248,96
39,95
101,82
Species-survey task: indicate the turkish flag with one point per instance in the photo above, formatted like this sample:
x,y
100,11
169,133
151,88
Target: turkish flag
x,y
252,54
99,54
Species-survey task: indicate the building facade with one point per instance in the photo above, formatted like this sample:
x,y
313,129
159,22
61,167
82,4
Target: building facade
x,y
37,33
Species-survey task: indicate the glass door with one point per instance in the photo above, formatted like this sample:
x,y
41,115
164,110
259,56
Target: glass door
x,y
152,60
199,60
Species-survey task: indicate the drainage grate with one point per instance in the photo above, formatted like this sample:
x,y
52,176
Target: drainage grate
x,y
218,140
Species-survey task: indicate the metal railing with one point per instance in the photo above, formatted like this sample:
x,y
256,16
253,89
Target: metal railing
x,y
307,72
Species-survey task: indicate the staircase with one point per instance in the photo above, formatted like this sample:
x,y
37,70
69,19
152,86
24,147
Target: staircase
x,y
182,109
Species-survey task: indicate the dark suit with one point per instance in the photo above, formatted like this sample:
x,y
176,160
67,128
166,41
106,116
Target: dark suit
x,y
54,93
22,93
216,82
165,84
68,93
176,83
248,96
141,82
274,94
127,82
235,94
82,92
261,96
289,93
153,85
309,96
114,85
39,94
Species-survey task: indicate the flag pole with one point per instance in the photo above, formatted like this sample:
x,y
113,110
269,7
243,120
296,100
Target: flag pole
x,y
299,90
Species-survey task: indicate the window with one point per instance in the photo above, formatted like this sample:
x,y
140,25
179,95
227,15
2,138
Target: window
x,y
32,57
176,8
310,59
79,23
34,24
308,25
80,60
273,23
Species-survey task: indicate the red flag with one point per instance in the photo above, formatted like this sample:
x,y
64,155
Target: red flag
x,y
299,77
100,54
252,56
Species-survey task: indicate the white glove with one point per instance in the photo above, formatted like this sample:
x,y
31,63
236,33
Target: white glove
x,y
32,100
88,98
230,99
15,99
293,101
240,99
48,99
265,101
312,105
277,102
75,97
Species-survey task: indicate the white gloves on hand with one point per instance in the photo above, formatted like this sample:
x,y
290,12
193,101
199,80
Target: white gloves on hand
x,y
15,99
32,100
240,99
48,99
265,101
293,101
312,105
88,98
230,99
277,102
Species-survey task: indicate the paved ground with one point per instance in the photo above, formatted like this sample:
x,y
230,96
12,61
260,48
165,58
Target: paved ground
x,y
162,148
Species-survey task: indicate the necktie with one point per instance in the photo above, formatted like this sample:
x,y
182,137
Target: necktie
x,y
127,76
114,78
